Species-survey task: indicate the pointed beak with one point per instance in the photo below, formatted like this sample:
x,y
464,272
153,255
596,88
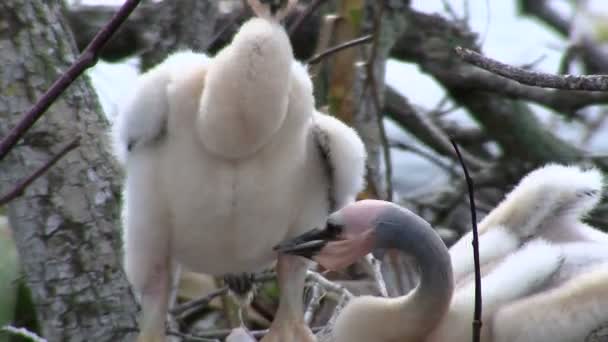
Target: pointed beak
x,y
308,244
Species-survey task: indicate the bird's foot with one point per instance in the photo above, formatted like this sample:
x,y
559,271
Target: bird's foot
x,y
272,9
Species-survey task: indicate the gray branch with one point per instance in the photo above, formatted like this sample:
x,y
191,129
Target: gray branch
x,y
429,41
534,78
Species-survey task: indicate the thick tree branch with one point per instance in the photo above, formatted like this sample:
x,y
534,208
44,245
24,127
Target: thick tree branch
x,y
399,109
595,59
135,36
534,78
561,101
87,59
429,41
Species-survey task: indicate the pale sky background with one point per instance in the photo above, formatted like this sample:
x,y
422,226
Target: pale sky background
x,y
505,36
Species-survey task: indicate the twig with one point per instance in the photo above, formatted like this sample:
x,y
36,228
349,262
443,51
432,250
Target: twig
x,y
316,295
534,78
358,41
373,86
87,59
24,183
328,284
182,309
424,154
22,332
213,335
219,34
188,337
374,265
203,301
477,313
326,333
305,14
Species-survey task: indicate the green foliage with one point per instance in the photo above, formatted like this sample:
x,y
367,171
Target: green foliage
x,y
9,272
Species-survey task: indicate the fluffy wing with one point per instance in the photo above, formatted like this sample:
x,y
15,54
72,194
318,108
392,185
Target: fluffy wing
x,y
344,155
143,119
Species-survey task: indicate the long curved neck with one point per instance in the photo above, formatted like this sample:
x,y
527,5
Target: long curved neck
x,y
423,308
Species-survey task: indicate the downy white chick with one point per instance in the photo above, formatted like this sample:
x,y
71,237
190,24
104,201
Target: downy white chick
x,y
225,157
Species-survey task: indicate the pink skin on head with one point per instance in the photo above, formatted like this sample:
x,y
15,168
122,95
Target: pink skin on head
x,y
357,238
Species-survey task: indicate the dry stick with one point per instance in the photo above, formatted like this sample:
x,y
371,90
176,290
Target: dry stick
x,y
213,335
376,271
373,86
87,59
477,313
203,301
316,295
534,78
233,20
305,14
24,183
318,57
188,337
329,285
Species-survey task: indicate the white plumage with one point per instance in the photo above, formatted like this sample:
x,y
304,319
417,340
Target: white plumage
x,y
535,249
226,157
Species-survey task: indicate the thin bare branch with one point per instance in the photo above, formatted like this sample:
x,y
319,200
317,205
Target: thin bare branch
x,y
319,57
87,59
214,335
188,337
316,295
199,302
372,85
22,332
312,8
424,154
534,78
375,270
329,285
23,184
477,313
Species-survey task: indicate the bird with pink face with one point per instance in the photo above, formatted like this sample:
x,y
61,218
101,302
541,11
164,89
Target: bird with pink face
x,y
544,271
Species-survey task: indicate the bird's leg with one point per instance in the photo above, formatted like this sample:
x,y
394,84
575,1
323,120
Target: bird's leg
x,y
147,258
288,323
154,302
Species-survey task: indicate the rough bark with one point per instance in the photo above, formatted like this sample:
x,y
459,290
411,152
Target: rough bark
x,y
65,225
179,24
138,34
386,22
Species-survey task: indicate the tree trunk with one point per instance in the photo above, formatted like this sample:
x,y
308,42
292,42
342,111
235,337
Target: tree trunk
x,y
180,24
65,225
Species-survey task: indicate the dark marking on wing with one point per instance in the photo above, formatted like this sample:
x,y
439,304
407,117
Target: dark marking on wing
x,y
160,135
322,141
